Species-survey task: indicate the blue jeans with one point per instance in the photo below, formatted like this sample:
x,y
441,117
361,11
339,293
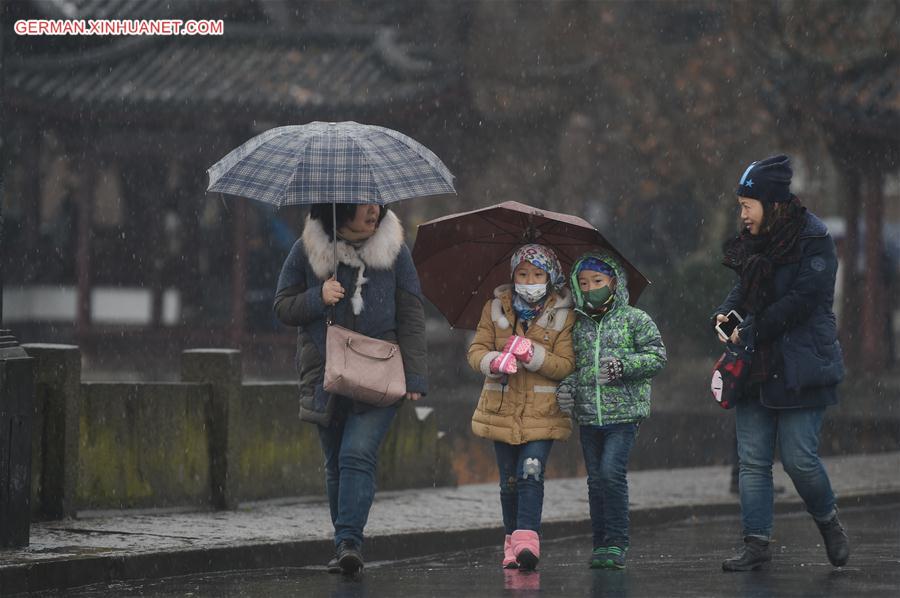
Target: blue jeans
x,y
606,450
350,443
796,432
522,483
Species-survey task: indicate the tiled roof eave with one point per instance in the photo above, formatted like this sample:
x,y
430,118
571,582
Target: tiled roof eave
x,y
187,75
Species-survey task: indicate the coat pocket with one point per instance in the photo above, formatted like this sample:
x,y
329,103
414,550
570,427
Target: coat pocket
x,y
808,365
544,398
496,398
825,335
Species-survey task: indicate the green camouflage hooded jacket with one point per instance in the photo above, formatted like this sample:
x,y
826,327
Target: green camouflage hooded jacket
x,y
624,332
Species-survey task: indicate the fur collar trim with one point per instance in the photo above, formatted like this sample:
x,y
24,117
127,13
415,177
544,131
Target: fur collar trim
x,y
379,252
553,316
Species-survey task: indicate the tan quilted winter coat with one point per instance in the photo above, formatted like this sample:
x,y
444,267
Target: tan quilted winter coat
x,y
525,409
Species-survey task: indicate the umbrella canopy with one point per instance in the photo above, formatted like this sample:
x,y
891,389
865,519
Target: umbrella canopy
x,y
462,258
344,162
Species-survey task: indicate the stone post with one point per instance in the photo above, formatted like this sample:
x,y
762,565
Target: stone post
x,y
57,409
16,408
221,369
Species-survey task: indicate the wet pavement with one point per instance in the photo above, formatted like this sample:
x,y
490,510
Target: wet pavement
x,y
679,559
295,535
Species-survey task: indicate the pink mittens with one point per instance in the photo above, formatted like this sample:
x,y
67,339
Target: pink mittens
x,y
505,363
520,347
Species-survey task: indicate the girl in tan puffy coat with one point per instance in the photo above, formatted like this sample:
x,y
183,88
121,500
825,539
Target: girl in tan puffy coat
x,y
523,346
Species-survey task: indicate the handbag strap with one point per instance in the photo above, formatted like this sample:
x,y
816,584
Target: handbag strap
x,y
352,348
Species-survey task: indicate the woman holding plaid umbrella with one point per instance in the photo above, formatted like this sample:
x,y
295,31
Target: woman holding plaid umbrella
x,y
376,292
351,268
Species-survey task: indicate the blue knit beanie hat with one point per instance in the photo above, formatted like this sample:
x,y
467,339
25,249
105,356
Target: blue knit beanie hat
x,y
597,265
767,180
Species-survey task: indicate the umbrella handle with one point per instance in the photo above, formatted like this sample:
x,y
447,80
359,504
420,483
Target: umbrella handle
x,y
329,318
334,237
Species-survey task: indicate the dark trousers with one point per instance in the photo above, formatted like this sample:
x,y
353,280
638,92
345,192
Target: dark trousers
x,y
606,450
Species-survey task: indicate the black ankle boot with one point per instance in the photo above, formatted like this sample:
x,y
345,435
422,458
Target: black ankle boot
x,y
349,557
837,544
333,566
753,556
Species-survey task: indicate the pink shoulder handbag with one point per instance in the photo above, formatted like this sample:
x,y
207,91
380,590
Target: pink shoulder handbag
x,y
363,368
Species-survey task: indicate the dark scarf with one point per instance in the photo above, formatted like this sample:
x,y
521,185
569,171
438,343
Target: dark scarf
x,y
754,258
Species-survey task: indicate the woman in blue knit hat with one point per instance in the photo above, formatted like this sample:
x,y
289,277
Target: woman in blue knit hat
x,y
786,263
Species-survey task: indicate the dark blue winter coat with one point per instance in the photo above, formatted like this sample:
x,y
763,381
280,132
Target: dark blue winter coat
x,y
807,361
383,300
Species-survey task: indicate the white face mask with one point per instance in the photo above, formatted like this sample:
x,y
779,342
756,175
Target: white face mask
x,y
532,293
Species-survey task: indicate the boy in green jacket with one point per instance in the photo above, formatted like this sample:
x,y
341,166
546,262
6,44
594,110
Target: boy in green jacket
x,y
618,349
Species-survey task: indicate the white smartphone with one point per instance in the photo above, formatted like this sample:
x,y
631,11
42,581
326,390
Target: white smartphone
x,y
727,327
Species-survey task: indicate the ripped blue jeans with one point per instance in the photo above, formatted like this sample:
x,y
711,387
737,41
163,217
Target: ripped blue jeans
x,y
522,483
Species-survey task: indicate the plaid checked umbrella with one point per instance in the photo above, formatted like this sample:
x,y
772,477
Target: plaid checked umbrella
x,y
344,162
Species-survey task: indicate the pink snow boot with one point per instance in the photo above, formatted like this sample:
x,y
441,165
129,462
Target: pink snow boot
x,y
526,545
509,559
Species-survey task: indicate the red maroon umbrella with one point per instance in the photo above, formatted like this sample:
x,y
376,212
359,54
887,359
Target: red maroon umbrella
x,y
462,258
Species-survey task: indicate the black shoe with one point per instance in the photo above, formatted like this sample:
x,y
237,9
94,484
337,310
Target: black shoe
x,y
754,555
333,566
837,544
349,557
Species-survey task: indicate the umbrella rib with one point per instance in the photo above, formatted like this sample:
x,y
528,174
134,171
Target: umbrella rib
x,y
516,233
486,272
485,240
549,225
501,225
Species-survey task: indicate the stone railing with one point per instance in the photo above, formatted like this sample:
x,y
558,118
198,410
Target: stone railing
x,y
210,440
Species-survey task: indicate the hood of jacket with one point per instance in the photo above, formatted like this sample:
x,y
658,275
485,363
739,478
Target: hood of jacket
x,y
621,297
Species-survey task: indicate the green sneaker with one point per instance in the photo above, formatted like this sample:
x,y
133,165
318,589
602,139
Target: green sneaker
x,y
598,557
615,557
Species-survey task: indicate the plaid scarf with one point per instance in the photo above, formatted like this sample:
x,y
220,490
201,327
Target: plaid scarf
x,y
754,258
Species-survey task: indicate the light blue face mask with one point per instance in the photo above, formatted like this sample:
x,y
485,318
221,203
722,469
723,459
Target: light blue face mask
x,y
532,293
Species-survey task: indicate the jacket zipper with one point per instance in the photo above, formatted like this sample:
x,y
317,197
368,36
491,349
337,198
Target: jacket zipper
x,y
596,369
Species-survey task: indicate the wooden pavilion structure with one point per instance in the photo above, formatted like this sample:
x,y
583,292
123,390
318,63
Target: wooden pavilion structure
x,y
108,150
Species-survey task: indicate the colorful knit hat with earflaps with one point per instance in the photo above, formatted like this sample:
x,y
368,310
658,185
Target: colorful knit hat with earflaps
x,y
539,256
